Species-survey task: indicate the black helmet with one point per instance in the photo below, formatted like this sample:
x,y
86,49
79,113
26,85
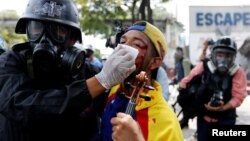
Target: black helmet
x,y
225,43
58,11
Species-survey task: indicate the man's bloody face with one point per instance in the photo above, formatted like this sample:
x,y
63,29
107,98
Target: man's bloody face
x,y
141,42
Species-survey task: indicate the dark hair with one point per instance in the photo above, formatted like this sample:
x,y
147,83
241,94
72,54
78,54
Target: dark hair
x,y
179,49
89,52
210,42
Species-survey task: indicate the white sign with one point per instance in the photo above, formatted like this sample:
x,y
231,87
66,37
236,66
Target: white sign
x,y
214,22
219,18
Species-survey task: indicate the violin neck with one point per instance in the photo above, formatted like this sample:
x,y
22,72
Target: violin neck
x,y
130,108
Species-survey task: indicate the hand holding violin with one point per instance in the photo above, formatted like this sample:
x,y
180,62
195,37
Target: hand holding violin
x,y
125,128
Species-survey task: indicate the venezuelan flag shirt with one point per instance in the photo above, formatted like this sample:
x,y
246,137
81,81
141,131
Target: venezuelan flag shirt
x,y
156,118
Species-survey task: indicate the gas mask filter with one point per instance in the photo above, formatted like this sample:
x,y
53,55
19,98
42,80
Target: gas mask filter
x,y
50,53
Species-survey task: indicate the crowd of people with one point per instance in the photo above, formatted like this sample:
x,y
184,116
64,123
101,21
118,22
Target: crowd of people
x,y
52,90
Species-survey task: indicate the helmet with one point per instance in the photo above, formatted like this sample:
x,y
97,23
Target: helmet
x,y
223,54
225,43
58,11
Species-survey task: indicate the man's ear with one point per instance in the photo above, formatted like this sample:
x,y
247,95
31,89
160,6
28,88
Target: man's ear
x,y
155,63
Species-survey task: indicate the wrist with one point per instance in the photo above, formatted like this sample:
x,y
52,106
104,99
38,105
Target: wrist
x,y
101,78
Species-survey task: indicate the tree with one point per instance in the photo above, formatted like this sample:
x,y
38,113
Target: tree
x,y
97,15
8,20
8,15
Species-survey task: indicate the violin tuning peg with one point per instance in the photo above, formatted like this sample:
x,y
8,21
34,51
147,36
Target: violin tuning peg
x,y
149,87
129,85
146,97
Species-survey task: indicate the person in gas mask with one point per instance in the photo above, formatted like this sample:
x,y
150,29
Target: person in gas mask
x,y
44,89
222,87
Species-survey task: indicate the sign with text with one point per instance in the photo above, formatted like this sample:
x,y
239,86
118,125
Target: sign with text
x,y
216,21
219,19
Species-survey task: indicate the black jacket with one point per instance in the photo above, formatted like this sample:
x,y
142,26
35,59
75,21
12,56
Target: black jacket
x,y
32,112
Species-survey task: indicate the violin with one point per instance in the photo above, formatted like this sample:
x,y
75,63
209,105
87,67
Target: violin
x,y
136,93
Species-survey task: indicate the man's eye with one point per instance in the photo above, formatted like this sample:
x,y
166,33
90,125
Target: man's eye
x,y
122,42
137,45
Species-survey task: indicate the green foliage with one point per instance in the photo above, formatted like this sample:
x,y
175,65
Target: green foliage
x,y
97,53
96,15
159,13
11,37
7,28
8,15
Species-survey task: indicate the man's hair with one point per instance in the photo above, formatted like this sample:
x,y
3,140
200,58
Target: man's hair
x,y
89,52
179,49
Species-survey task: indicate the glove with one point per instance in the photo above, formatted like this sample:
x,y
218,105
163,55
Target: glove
x,y
119,65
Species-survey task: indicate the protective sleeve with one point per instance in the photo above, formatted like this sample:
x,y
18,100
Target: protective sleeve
x,y
21,102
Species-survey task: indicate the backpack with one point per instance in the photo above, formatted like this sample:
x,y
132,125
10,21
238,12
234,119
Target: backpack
x,y
187,98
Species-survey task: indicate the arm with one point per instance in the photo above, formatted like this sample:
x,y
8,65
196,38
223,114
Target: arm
x,y
239,91
198,69
162,78
94,87
20,100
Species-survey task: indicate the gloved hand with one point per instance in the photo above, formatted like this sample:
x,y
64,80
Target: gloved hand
x,y
119,65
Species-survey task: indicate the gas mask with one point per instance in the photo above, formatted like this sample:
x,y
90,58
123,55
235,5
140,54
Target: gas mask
x,y
223,60
51,52
222,65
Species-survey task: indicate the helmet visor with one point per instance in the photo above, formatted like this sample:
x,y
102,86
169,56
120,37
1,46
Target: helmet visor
x,y
34,30
225,56
57,32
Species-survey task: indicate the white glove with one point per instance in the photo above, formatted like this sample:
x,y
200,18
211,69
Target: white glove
x,y
119,65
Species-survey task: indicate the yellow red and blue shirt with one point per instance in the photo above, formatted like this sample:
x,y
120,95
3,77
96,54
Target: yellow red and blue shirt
x,y
156,118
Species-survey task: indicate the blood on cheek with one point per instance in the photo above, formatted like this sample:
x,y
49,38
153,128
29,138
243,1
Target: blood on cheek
x,y
141,55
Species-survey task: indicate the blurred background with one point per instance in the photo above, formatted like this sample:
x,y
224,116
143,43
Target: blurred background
x,y
185,24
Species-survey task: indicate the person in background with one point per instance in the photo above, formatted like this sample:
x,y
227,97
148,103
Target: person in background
x,y
91,57
162,78
182,65
44,89
152,119
222,88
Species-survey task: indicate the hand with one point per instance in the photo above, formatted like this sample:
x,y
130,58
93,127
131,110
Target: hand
x,y
119,65
215,109
125,128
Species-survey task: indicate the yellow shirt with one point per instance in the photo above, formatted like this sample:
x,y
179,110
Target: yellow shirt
x,y
156,118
